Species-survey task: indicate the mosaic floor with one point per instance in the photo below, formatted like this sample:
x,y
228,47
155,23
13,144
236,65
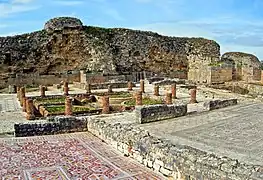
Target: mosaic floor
x,y
69,156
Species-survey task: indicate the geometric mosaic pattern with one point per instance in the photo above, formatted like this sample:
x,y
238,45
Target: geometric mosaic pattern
x,y
68,156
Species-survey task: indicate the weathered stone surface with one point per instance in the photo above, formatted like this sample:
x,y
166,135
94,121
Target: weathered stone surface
x,y
61,23
247,67
217,104
146,114
56,125
174,160
112,51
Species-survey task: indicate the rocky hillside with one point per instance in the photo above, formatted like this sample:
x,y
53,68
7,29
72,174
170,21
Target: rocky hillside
x,y
65,44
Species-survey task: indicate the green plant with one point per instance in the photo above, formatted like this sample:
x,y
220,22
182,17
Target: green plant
x,y
145,101
50,100
61,109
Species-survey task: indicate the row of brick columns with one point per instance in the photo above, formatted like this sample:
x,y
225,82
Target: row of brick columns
x,y
105,105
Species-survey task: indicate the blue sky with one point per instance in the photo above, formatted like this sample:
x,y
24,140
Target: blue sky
x,y
237,25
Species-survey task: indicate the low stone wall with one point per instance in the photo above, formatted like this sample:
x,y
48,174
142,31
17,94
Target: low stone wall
x,y
45,80
176,161
122,84
155,79
254,89
169,82
58,125
217,104
152,113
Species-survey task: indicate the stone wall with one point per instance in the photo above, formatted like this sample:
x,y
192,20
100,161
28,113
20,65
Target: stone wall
x,y
152,113
58,125
217,104
221,72
36,79
111,51
246,67
172,160
253,89
168,82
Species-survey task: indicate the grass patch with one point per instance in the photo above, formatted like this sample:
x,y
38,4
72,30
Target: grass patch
x,y
51,100
145,101
121,95
61,109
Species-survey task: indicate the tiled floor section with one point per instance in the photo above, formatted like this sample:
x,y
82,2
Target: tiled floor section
x,y
69,156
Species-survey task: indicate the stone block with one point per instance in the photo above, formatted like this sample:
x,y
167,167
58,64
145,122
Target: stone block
x,y
152,113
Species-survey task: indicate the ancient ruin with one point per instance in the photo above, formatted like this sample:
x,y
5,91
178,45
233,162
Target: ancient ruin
x,y
174,107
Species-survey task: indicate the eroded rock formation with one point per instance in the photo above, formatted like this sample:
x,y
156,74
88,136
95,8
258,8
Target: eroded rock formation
x,y
246,67
65,44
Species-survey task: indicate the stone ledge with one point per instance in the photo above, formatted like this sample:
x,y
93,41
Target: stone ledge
x,y
177,161
217,104
57,125
152,113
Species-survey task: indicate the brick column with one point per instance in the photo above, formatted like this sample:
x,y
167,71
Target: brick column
x,y
130,85
30,110
66,89
168,98
138,98
142,86
22,95
193,96
110,89
88,88
105,105
68,106
173,91
42,91
24,107
156,90
18,92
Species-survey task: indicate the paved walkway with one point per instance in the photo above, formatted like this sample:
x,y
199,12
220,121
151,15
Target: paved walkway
x,y
68,156
236,131
10,113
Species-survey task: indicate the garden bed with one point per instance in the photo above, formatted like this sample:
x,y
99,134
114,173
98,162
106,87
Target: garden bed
x,y
145,101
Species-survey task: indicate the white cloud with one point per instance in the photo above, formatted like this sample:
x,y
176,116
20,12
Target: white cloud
x,y
16,6
22,1
68,2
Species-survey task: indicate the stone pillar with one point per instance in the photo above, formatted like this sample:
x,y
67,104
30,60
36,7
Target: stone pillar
x,y
18,92
88,88
110,88
142,86
22,95
130,85
138,98
168,98
68,106
42,91
66,89
24,107
105,105
156,90
193,96
173,91
30,110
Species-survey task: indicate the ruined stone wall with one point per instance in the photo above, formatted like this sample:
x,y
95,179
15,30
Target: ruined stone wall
x,y
247,67
35,79
153,113
65,44
221,72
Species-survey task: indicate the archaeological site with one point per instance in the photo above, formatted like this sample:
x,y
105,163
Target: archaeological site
x,y
85,102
